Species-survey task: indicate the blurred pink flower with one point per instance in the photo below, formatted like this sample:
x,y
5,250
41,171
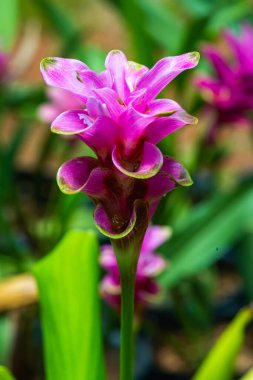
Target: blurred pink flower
x,y
59,101
121,121
149,266
4,71
229,92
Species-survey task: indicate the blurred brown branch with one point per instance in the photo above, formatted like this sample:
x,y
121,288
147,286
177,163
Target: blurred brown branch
x,y
17,291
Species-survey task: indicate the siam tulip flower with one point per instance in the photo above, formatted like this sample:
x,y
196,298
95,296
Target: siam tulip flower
x,y
149,266
59,101
121,121
229,93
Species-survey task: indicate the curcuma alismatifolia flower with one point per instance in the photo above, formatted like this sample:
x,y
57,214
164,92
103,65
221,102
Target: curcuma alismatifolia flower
x,y
229,92
149,266
121,121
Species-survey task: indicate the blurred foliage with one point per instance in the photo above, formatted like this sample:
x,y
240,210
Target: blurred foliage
x,y
6,334
8,23
207,233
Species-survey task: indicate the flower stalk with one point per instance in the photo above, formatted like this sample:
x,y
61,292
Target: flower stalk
x,y
128,276
127,251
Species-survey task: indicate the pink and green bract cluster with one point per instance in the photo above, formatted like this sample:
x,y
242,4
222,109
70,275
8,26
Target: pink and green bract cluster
x,y
229,92
149,266
121,121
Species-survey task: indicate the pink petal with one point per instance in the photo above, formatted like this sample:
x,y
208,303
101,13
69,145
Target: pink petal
x,y
163,107
64,73
101,136
71,122
110,285
133,125
241,46
138,100
165,71
95,185
48,112
63,99
133,73
176,171
151,162
148,293
159,185
109,97
104,223
223,70
73,174
95,108
116,64
108,259
150,265
155,236
165,125
91,80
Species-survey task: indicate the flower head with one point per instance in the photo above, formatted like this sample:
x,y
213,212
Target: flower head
x,y
149,266
230,91
121,121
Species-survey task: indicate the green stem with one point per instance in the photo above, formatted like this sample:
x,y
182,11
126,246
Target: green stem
x,y
127,251
127,335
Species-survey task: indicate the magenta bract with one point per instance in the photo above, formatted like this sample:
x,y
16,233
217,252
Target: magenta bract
x,y
149,266
121,121
229,92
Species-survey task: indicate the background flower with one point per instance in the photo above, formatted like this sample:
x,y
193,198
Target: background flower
x,y
229,92
149,266
59,100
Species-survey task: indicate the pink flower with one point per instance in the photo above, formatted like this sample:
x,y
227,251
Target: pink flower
x,y
59,101
149,266
121,121
230,91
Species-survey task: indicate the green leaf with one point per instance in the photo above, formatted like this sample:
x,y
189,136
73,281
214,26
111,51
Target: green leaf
x,y
248,375
5,374
228,14
159,24
68,289
206,234
6,338
8,22
220,362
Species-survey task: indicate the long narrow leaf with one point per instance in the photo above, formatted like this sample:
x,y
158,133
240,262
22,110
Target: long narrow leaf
x,y
8,22
204,237
68,290
220,362
248,375
5,374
